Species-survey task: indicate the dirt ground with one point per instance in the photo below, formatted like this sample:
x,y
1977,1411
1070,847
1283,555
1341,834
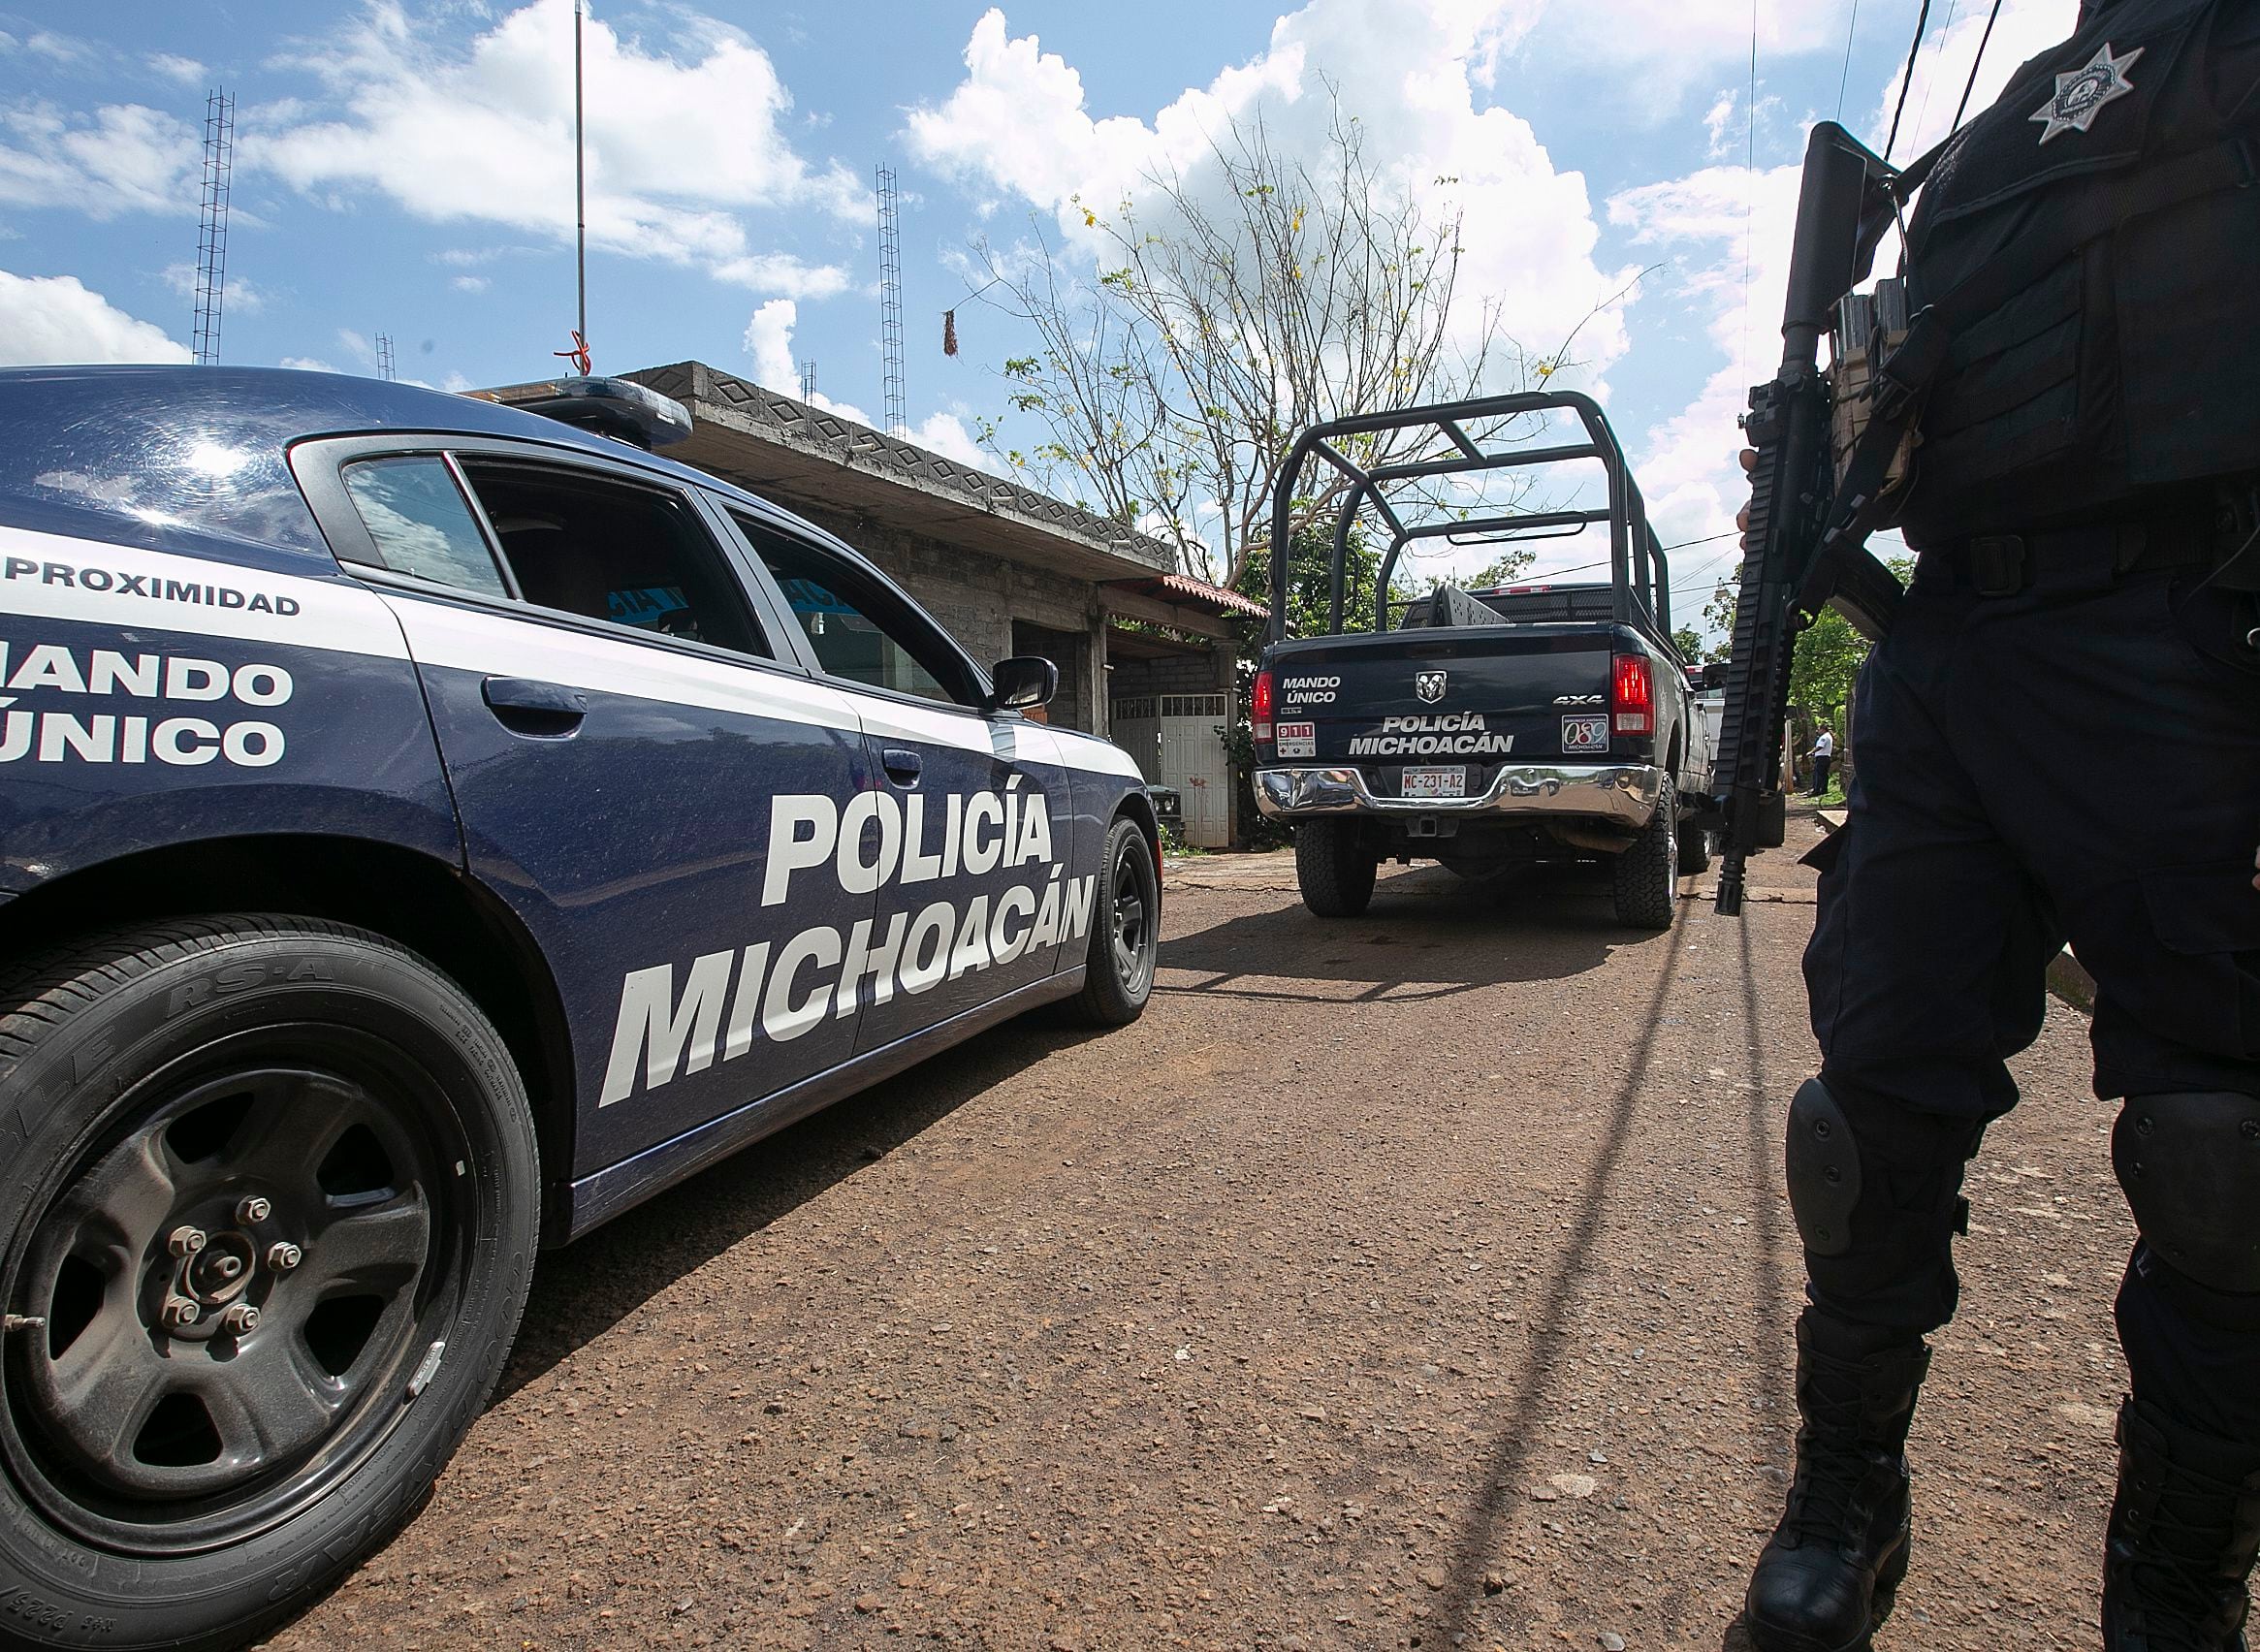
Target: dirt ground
x,y
1421,1281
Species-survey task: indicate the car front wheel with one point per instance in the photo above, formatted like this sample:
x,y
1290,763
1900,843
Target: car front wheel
x,y
266,1224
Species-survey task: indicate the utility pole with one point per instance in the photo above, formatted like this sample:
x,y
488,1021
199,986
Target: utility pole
x,y
211,234
891,305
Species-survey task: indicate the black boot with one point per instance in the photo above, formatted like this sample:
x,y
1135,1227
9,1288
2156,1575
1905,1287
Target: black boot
x,y
2184,1529
1827,1577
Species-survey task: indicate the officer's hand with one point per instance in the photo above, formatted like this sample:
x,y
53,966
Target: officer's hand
x,y
1742,516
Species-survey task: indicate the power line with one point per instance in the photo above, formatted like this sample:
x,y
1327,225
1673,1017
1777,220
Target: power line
x,y
1971,84
1945,35
1908,79
1844,79
211,232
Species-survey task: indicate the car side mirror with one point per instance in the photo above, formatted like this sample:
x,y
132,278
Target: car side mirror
x,y
1714,674
1023,683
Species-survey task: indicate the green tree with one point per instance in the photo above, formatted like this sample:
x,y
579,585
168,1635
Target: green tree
x,y
1689,642
1503,569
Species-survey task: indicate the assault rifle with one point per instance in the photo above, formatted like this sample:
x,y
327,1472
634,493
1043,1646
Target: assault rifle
x,y
1808,523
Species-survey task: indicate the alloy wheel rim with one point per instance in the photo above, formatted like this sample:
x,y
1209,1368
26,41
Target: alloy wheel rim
x,y
1132,916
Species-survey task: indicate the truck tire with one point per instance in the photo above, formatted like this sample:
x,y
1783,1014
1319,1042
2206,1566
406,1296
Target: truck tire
x,y
269,1199
1693,850
1126,933
1647,875
1333,868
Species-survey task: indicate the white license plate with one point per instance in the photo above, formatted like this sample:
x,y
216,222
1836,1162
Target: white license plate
x,y
1435,782
1586,734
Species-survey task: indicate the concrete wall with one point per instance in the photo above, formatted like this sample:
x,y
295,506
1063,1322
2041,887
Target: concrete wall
x,y
976,598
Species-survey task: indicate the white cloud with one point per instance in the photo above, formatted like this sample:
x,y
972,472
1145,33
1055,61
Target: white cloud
x,y
186,70
678,144
1017,125
1727,234
946,433
470,283
241,297
1647,54
307,364
769,341
54,319
123,158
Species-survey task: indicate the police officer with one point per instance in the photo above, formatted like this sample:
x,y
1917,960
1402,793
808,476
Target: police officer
x,y
2061,737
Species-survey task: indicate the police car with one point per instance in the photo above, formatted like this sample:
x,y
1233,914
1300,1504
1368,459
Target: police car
x,y
428,829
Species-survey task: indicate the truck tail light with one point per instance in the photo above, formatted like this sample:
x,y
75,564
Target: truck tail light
x,y
1631,695
1260,705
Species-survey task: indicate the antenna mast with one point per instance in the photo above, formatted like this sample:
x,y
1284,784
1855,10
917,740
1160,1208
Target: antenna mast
x,y
211,234
809,379
580,204
891,305
384,355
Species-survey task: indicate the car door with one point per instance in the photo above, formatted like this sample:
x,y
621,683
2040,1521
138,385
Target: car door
x,y
969,823
624,739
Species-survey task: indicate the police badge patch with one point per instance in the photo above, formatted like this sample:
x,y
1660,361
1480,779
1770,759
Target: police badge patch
x,y
2081,93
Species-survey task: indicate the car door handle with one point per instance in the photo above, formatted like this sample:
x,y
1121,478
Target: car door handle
x,y
902,764
542,711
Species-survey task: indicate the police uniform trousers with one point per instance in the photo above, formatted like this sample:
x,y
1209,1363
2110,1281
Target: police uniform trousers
x,y
2076,756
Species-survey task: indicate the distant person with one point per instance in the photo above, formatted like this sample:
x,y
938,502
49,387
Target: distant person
x,y
1823,753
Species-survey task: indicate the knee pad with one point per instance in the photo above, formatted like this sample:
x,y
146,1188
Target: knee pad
x,y
1823,1169
2191,1166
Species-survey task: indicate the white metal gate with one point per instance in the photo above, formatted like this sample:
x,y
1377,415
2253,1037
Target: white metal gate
x,y
1178,742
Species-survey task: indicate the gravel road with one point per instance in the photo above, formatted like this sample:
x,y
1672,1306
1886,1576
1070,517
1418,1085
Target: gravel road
x,y
1418,1281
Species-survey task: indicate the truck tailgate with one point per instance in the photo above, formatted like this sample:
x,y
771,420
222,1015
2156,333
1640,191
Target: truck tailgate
x,y
1482,695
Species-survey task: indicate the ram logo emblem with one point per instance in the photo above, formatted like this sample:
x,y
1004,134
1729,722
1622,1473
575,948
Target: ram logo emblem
x,y
1429,685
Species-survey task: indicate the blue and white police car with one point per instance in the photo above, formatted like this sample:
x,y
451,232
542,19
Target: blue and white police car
x,y
428,829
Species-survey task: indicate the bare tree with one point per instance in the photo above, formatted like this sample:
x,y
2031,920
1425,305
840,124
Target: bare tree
x,y
1228,309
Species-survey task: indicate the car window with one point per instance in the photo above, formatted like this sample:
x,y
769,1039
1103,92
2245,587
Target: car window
x,y
852,626
420,523
612,551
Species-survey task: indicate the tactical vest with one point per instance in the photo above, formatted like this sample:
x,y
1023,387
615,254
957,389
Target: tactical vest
x,y
2092,243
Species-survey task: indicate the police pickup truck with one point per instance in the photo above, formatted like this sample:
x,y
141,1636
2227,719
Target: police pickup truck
x,y
428,829
1484,729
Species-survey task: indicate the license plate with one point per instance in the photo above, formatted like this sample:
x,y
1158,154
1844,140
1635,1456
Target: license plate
x,y
1297,739
1435,782
1586,734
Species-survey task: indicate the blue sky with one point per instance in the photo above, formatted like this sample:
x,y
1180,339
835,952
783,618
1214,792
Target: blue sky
x,y
405,168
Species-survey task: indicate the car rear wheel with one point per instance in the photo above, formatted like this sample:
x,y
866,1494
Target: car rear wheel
x,y
263,1242
1647,873
1126,933
1693,850
1333,868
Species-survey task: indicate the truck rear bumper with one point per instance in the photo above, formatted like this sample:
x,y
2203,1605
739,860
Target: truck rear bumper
x,y
1622,793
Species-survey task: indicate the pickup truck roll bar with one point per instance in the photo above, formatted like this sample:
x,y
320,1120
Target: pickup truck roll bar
x,y
1637,571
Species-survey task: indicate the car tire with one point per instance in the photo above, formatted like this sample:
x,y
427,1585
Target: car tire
x,y
268,1207
1333,868
1647,873
1693,850
1126,933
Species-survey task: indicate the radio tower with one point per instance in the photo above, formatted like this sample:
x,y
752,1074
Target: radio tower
x,y
211,234
891,306
809,379
384,353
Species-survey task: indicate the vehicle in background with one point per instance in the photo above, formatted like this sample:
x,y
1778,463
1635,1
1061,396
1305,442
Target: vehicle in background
x,y
427,830
1491,729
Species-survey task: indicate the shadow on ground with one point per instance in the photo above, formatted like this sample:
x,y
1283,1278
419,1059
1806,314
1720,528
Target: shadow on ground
x,y
1508,1468
1428,934
586,1289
